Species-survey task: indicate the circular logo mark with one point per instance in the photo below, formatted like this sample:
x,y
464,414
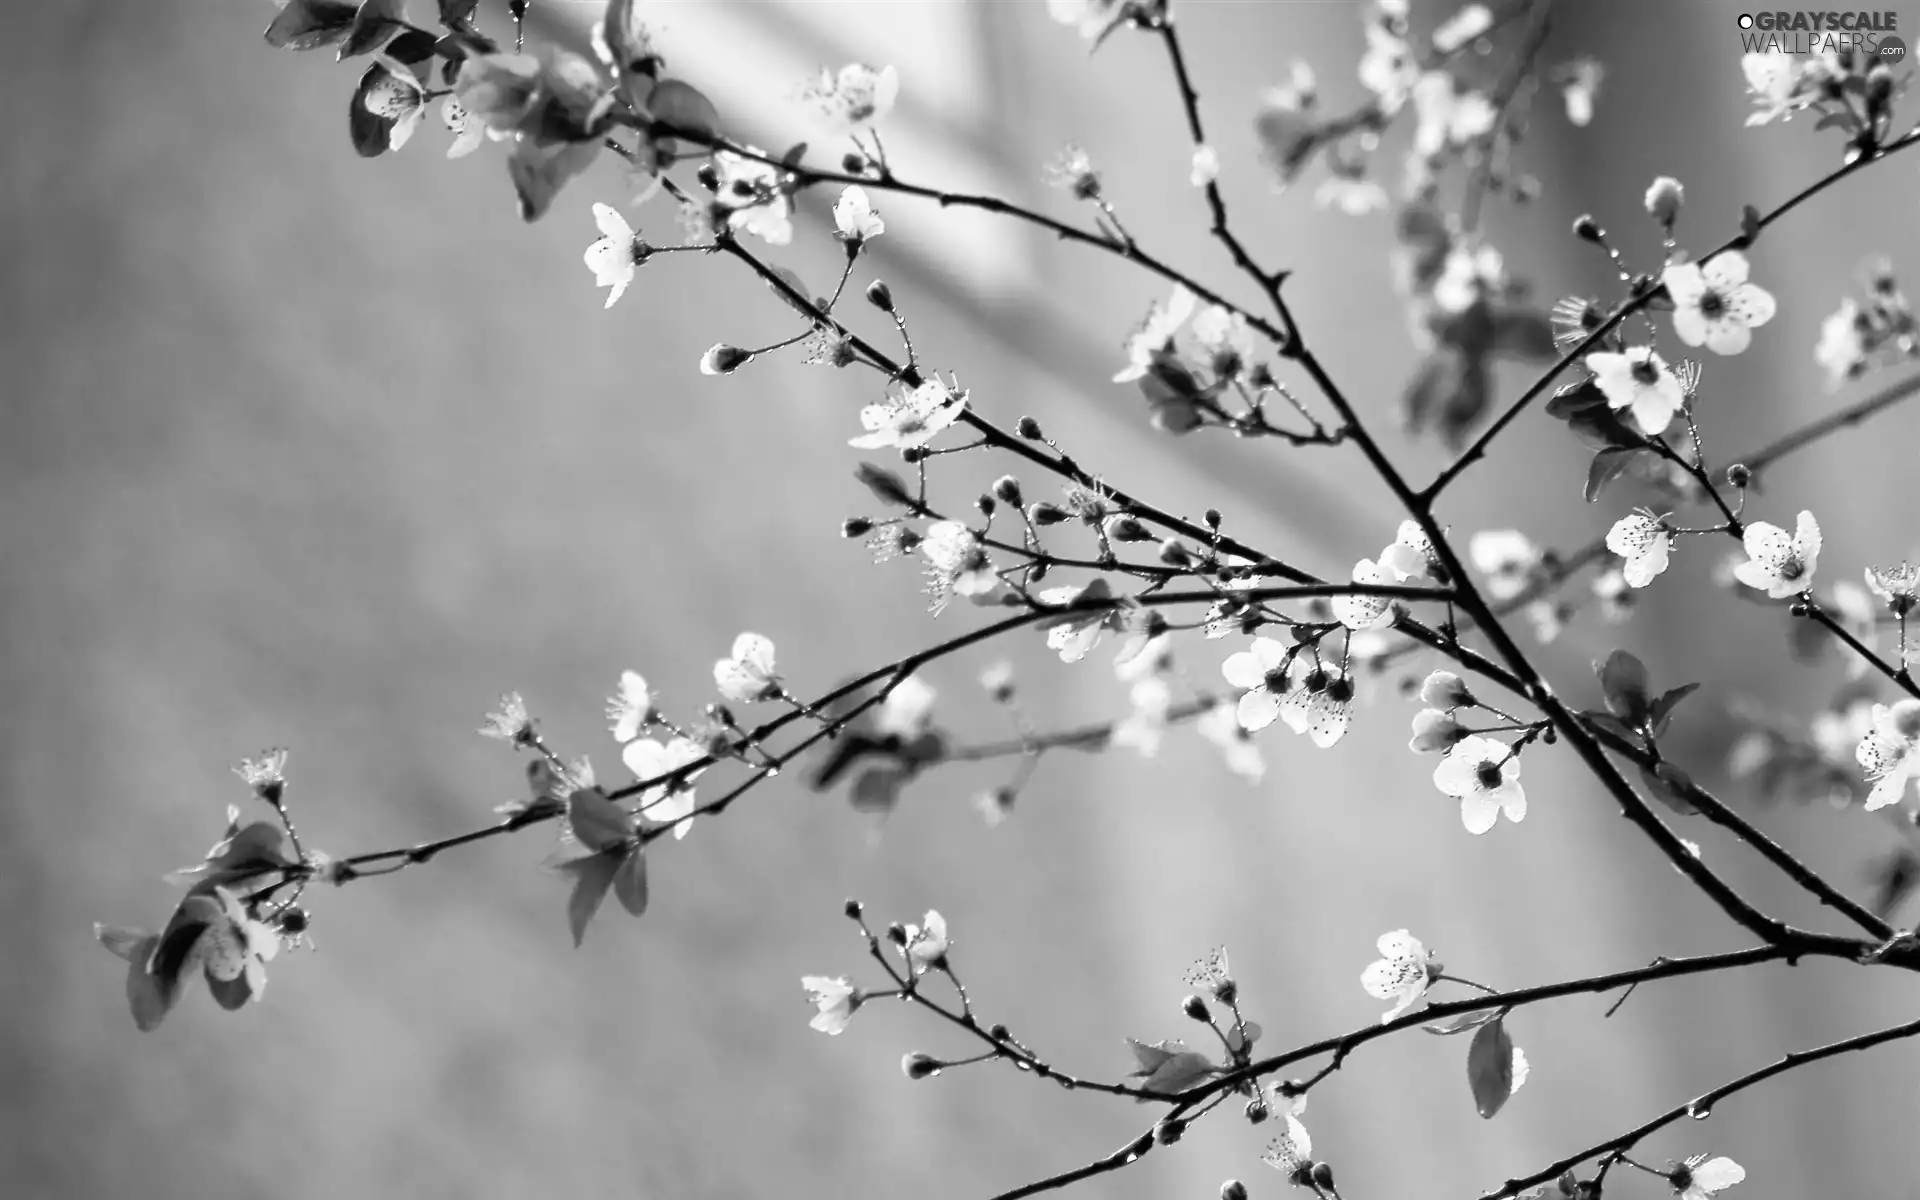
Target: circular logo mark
x,y
1892,50
1746,20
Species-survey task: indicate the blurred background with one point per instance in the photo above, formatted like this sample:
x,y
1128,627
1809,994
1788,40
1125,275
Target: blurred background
x,y
304,449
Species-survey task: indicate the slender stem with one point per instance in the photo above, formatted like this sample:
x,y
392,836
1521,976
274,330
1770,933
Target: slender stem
x,y
1813,431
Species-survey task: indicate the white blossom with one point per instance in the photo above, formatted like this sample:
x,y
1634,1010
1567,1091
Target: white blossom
x,y
854,219
1890,754
1644,541
1485,776
1640,382
746,675
1715,305
836,1000
1401,973
910,419
1363,611
1778,563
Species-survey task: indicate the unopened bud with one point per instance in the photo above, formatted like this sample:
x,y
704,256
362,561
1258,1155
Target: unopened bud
x,y
1587,229
1213,518
1127,529
920,1066
853,909
897,934
1664,199
854,527
1174,554
722,359
1039,570
1042,513
1169,1130
853,164
1007,488
1738,476
986,504
914,454
1030,429
880,295
1323,1177
1879,87
708,177
1233,1189
1257,1111
1000,1033
1196,1008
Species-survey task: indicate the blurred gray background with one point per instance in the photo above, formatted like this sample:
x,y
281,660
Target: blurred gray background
x,y
311,450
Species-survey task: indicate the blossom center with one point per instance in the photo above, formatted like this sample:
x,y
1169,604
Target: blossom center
x,y
1712,304
1487,775
1645,373
1792,569
1275,680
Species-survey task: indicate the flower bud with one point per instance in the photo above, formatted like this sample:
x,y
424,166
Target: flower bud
x,y
1664,198
897,934
1042,513
1257,1111
1174,554
913,454
1233,1189
1738,476
986,504
854,527
1126,529
1323,1177
920,1066
1587,229
853,909
1213,518
1000,1033
1007,489
853,164
1879,87
1196,1008
1444,689
1038,571
1030,429
880,295
1169,1130
708,177
722,359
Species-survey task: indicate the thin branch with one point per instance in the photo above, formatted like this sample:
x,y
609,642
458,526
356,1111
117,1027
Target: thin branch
x,y
1813,431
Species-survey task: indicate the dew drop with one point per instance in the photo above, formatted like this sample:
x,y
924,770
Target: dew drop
x,y
772,771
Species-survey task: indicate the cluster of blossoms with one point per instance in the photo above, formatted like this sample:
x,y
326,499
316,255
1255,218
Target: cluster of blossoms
x,y
1876,327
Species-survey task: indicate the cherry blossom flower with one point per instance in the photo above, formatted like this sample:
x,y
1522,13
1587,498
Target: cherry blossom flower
x,y
958,561
1467,276
510,722
1435,729
1226,338
854,220
1615,594
747,675
1401,973
1890,754
1444,689
1579,84
1663,200
1462,27
1842,349
1644,541
1321,707
667,804
1366,612
1206,166
1507,558
1778,563
907,711
211,932
911,418
619,252
927,944
1262,671
1714,304
1773,84
755,191
631,709
1072,170
1448,118
266,775
1212,975
468,132
1074,635
1700,1177
1220,724
1411,554
1095,19
1485,776
1291,1153
1354,197
1898,587
836,1000
1388,68
1639,381
396,96
1155,334
858,96
1288,129
1141,730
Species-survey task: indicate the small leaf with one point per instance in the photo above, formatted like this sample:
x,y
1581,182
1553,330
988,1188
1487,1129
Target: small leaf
x,y
794,154
539,172
1624,680
683,106
1612,724
630,882
592,876
1490,1067
1178,1073
1662,710
1749,224
598,823
1152,1056
1604,469
878,791
1669,785
310,24
792,280
458,14
376,21
886,486
1576,398
1463,1023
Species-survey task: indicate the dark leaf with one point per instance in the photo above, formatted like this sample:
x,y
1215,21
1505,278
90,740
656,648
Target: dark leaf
x,y
1576,398
1669,785
792,280
310,24
1490,1067
794,154
592,876
458,14
539,172
1605,468
1463,1024
842,754
1623,678
376,21
1524,334
1662,711
1468,402
370,131
887,487
598,823
630,882
230,994
148,1000
1612,724
683,106
878,791
413,47
1288,138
